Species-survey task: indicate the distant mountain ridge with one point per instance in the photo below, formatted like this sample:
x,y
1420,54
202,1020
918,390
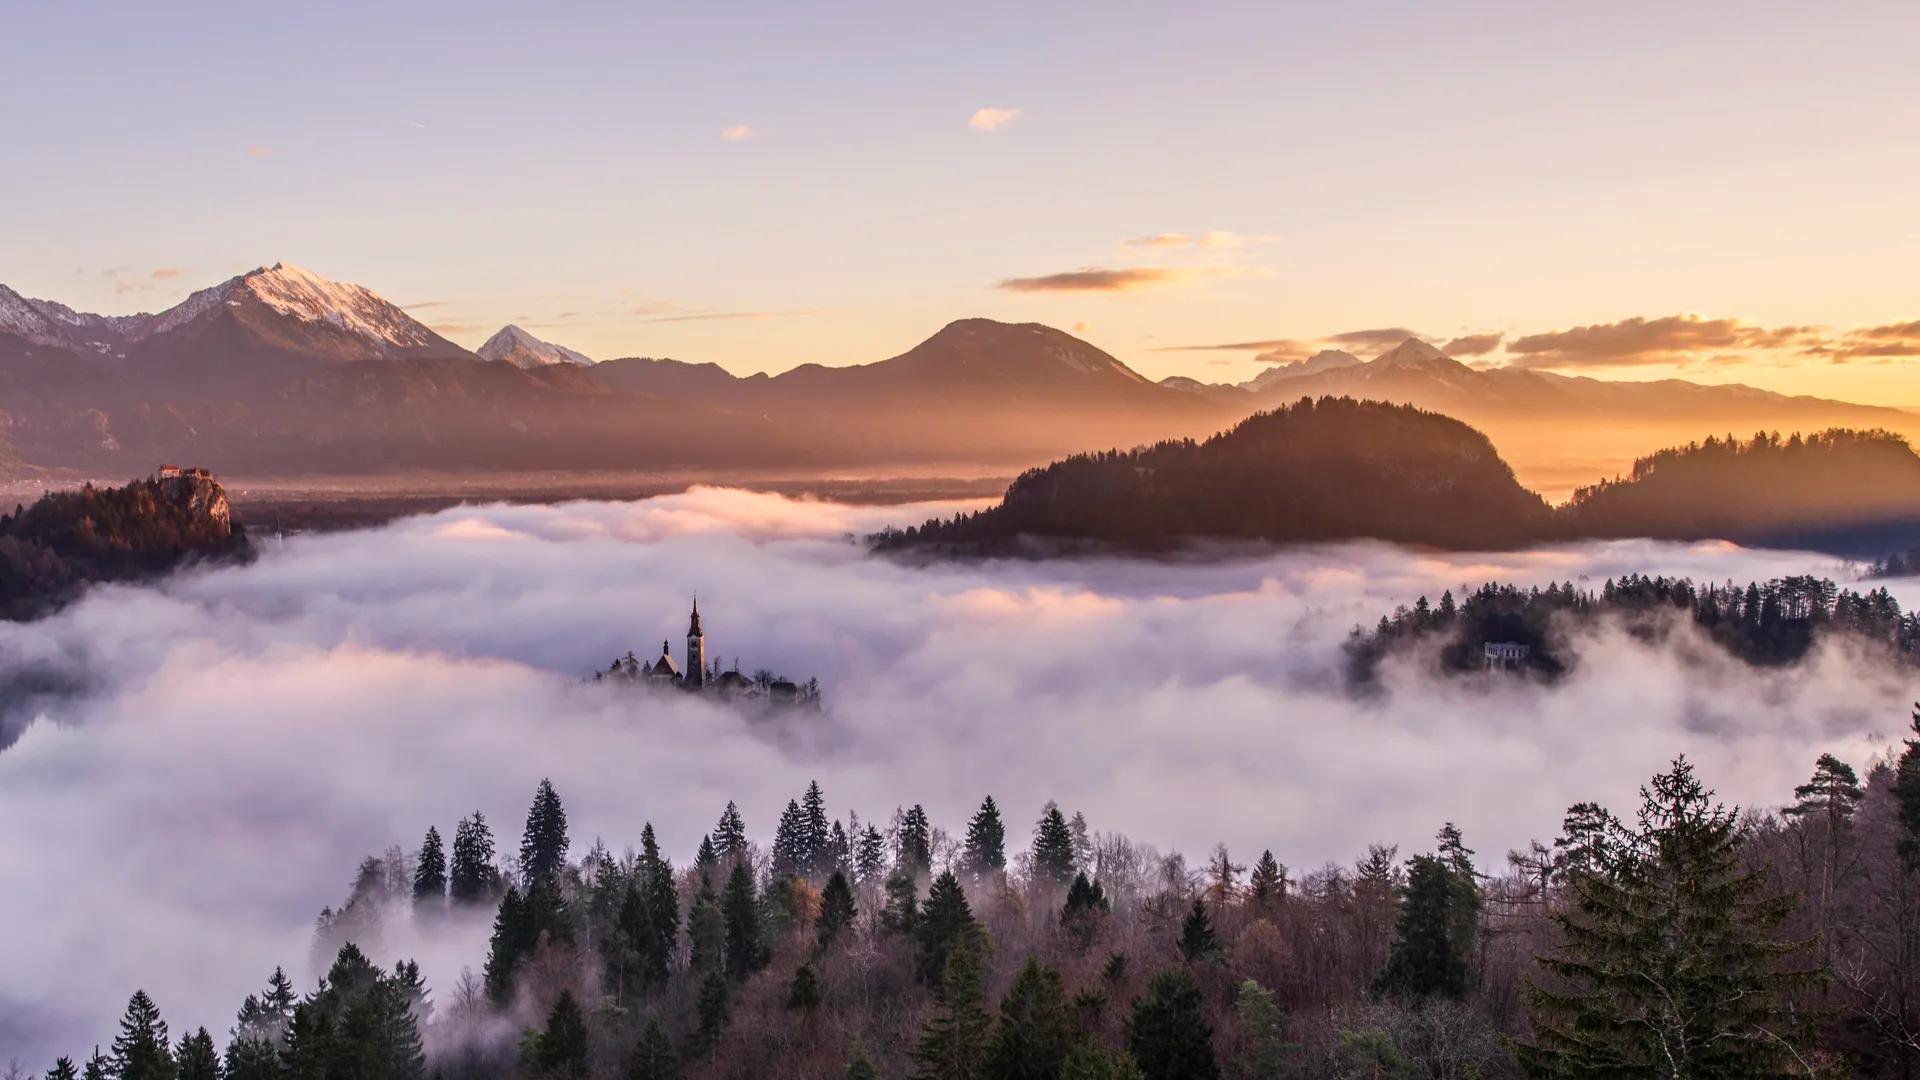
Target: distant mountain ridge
x,y
281,371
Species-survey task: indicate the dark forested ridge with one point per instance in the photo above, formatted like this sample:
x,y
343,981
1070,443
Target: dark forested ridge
x,y
1763,624
1685,938
1340,469
1325,470
1849,492
68,539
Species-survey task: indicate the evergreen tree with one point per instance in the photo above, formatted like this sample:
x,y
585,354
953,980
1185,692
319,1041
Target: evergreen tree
x,y
705,859
1670,961
1464,908
1091,1061
1081,915
280,998
653,1057
741,908
98,1067
430,872
730,835
472,877
140,1051
902,911
803,993
714,1010
789,842
1168,1031
1267,887
1583,834
1053,848
1828,801
836,909
816,837
1425,959
870,860
543,846
1196,934
197,1057
944,924
1267,1055
63,1069
251,1057
986,848
914,843
560,1051
661,900
707,933
1035,1029
954,1043
513,937
859,1065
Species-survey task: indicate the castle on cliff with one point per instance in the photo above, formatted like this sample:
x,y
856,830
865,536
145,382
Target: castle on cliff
x,y
697,674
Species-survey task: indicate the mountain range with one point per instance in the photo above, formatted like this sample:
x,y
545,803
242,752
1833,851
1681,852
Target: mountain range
x,y
280,371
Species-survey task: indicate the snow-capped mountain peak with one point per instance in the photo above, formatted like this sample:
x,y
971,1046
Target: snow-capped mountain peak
x,y
307,296
521,349
1411,353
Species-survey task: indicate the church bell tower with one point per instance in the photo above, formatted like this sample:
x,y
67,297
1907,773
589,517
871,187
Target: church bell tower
x,y
696,674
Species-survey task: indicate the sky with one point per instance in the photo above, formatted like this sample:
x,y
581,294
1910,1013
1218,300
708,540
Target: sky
x,y
1723,191
205,761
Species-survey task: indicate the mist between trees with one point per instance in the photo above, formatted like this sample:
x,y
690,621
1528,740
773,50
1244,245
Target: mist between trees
x,y
1681,937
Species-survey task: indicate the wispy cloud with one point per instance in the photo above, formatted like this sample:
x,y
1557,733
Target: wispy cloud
x,y
737,133
992,119
1290,350
1472,345
1104,279
1887,342
423,305
456,328
711,316
1669,339
166,272
1216,239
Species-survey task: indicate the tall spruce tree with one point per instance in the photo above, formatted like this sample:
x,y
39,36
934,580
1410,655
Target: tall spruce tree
x,y
730,834
472,877
1168,1031
1197,941
63,1069
1906,792
1053,856
430,872
197,1058
741,909
543,846
986,847
789,842
1035,1030
560,1051
837,909
816,834
1671,960
653,1056
870,855
913,843
954,1043
945,922
661,898
714,1009
1266,886
140,1051
1426,960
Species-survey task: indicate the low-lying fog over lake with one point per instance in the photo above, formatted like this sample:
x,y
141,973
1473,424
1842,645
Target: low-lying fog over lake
x,y
196,768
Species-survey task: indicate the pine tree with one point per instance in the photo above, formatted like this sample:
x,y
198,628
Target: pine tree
x,y
1091,1061
913,844
1670,961
789,854
653,1057
1267,887
197,1057
430,872
836,909
99,1067
859,1065
741,909
280,998
1425,959
1829,800
714,1010
803,993
1035,1029
730,835
1081,915
816,839
543,846
560,1051
1196,934
250,1057
140,1051
63,1069
1168,1031
707,933
954,1044
1053,848
902,911
472,877
661,900
1267,1055
1583,834
1464,908
870,860
944,924
986,847
512,938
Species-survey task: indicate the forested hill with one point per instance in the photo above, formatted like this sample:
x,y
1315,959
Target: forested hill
x,y
67,539
1763,623
1325,470
1847,492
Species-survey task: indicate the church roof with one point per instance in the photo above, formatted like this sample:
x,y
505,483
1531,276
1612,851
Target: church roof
x,y
693,627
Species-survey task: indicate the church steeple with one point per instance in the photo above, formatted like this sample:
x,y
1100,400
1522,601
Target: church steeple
x,y
696,673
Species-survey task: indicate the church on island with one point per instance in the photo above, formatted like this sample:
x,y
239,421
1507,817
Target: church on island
x,y
697,674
